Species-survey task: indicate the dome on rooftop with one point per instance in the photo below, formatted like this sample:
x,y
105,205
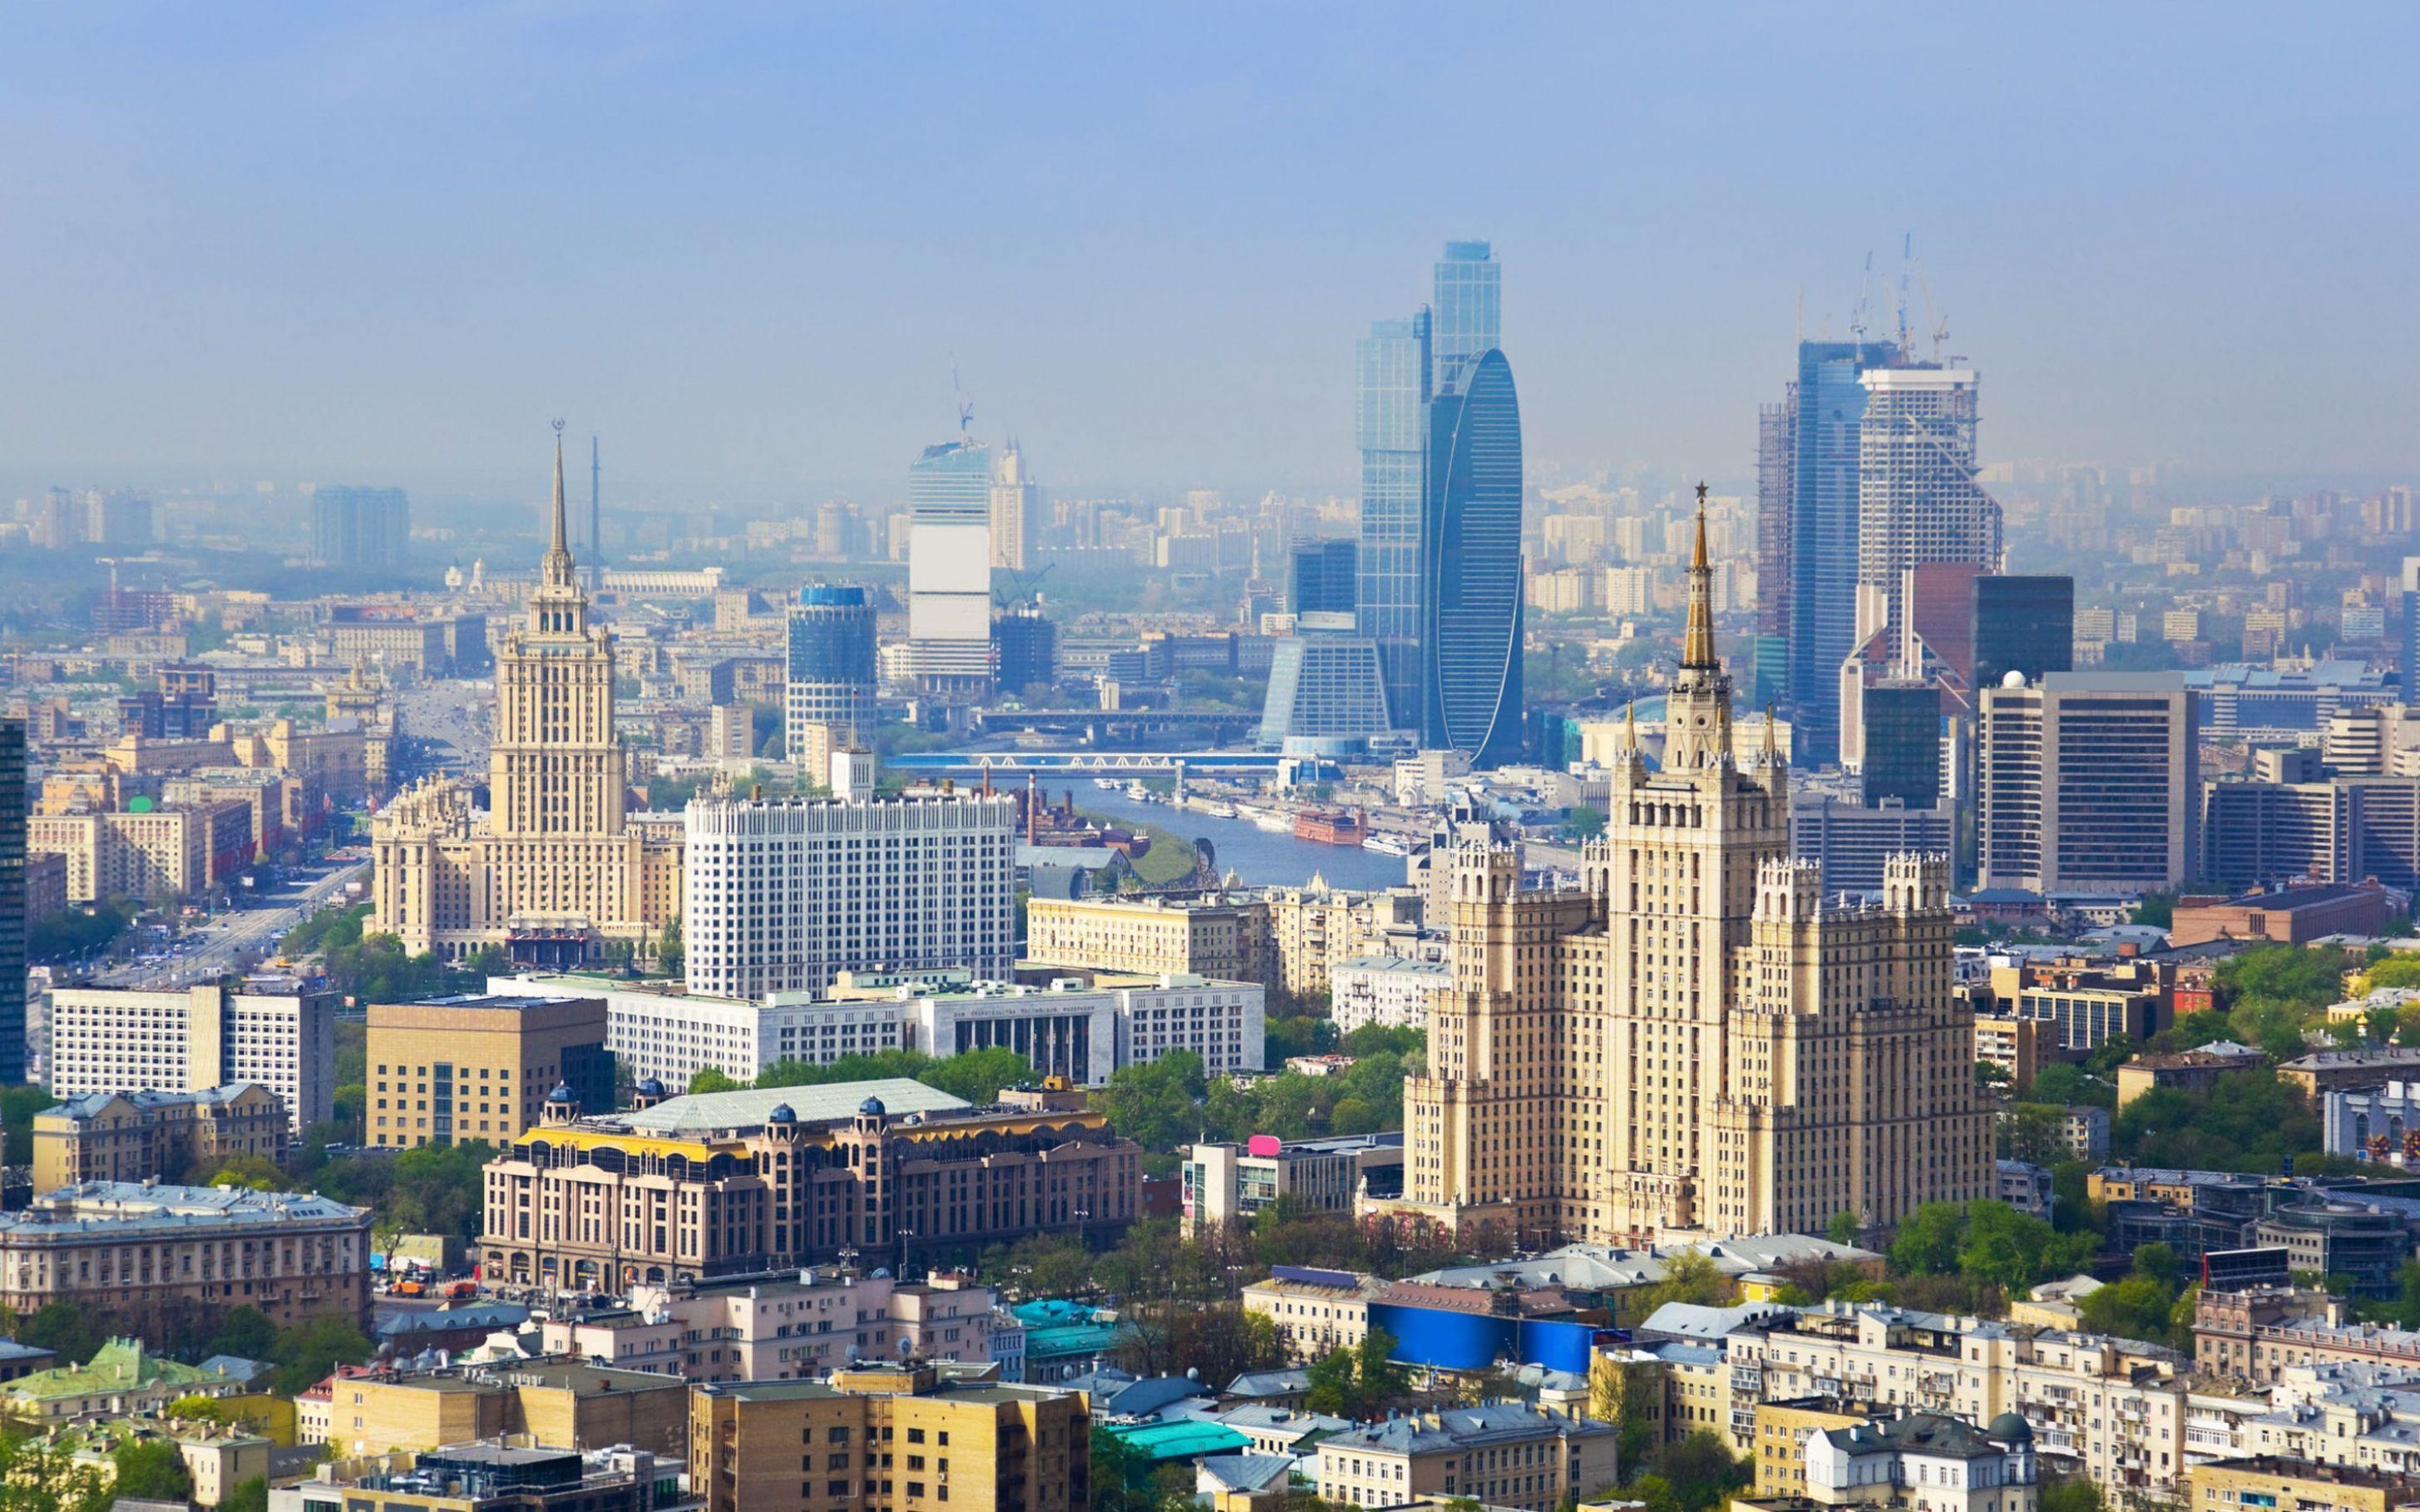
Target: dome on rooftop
x,y
2008,1427
562,1093
782,1113
651,1088
871,1106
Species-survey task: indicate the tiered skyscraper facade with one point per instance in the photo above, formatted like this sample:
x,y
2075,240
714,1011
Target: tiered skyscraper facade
x,y
1917,500
1694,1039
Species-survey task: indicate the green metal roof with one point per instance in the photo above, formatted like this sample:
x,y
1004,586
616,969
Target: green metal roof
x,y
1188,1439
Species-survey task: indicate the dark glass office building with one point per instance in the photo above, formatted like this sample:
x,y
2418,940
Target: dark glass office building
x,y
1390,416
1471,619
1321,576
1902,719
2023,624
1025,649
1826,412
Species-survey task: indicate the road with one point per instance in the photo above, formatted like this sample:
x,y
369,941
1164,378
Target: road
x,y
452,719
238,937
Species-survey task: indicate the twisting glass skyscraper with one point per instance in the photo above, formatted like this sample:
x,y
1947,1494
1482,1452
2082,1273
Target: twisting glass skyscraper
x,y
1472,625
1439,576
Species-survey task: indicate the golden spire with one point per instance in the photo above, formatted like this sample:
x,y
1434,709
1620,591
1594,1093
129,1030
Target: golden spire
x,y
1697,647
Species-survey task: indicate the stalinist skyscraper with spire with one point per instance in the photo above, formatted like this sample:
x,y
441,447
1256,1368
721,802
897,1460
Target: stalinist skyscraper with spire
x,y
1694,1040
554,868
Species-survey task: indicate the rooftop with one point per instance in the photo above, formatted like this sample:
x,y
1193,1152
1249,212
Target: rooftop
x,y
830,1103
93,1102
119,1208
1463,1428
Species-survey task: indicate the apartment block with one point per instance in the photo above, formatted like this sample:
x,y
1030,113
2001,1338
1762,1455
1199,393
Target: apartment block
x,y
560,1404
1227,940
138,1136
785,1325
118,1039
877,1437
1502,1454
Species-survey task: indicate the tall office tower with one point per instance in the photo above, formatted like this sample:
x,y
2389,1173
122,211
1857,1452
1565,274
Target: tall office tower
x,y
1324,684
830,680
1024,647
1824,410
191,1040
1776,425
2023,624
948,567
1391,422
1917,500
2088,783
1901,718
1467,312
1471,600
12,902
782,896
360,527
1941,610
1016,511
1694,1038
1320,577
553,869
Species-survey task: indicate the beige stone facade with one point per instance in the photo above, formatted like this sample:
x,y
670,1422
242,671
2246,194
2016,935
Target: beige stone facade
x,y
1502,1454
1223,939
133,1136
558,1404
908,1437
458,1071
555,865
1694,1039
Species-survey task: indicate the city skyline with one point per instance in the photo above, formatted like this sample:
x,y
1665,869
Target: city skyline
x,y
514,214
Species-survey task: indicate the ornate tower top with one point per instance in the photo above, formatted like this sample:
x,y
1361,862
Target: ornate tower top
x,y
1697,711
556,570
1697,648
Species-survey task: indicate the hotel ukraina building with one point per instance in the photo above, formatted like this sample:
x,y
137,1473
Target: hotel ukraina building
x,y
1694,1040
556,868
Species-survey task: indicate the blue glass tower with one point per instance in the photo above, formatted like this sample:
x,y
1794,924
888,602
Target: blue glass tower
x,y
1829,406
1391,423
1471,628
1468,311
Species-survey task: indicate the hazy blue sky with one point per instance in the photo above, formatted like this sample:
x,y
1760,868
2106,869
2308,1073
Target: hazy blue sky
x,y
388,242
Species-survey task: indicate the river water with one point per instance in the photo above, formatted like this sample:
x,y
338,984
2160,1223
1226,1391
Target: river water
x,y
1259,857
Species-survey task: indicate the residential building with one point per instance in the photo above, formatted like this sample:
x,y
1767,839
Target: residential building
x,y
107,1039
1928,1461
1221,937
1499,1454
1783,1433
489,1476
792,1176
2014,1044
1389,990
16,902
145,1252
145,850
556,1403
2087,782
1229,1183
2335,1070
830,674
138,1136
782,896
2267,1481
218,1456
557,866
1692,1039
948,567
1315,927
360,527
939,1436
2380,1123
785,1325
477,1068
2265,1333
121,1379
2191,1070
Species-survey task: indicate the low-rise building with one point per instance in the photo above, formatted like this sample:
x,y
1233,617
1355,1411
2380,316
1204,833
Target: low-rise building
x,y
219,1456
2290,917
558,1403
1229,1183
880,1436
1391,990
2191,1070
137,1136
491,1476
2341,1070
2262,1334
148,1254
2377,1124
121,1379
2269,1483
1502,1454
1926,1462
1782,1431
2018,1046
1216,937
790,1325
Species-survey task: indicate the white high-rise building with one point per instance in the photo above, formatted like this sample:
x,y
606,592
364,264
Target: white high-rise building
x,y
1015,510
1918,502
782,896
2088,783
111,1039
949,567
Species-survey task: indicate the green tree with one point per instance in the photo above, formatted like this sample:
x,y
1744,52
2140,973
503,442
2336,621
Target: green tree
x,y
151,1470
1688,1277
711,1079
2016,1249
2072,1494
257,1172
18,1105
309,1351
247,1496
245,1332
1155,1104
1843,1229
2064,1085
671,953
64,1329
1928,1239
1585,822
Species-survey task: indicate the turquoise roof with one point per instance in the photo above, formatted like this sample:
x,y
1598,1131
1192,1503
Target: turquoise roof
x,y
1188,1440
